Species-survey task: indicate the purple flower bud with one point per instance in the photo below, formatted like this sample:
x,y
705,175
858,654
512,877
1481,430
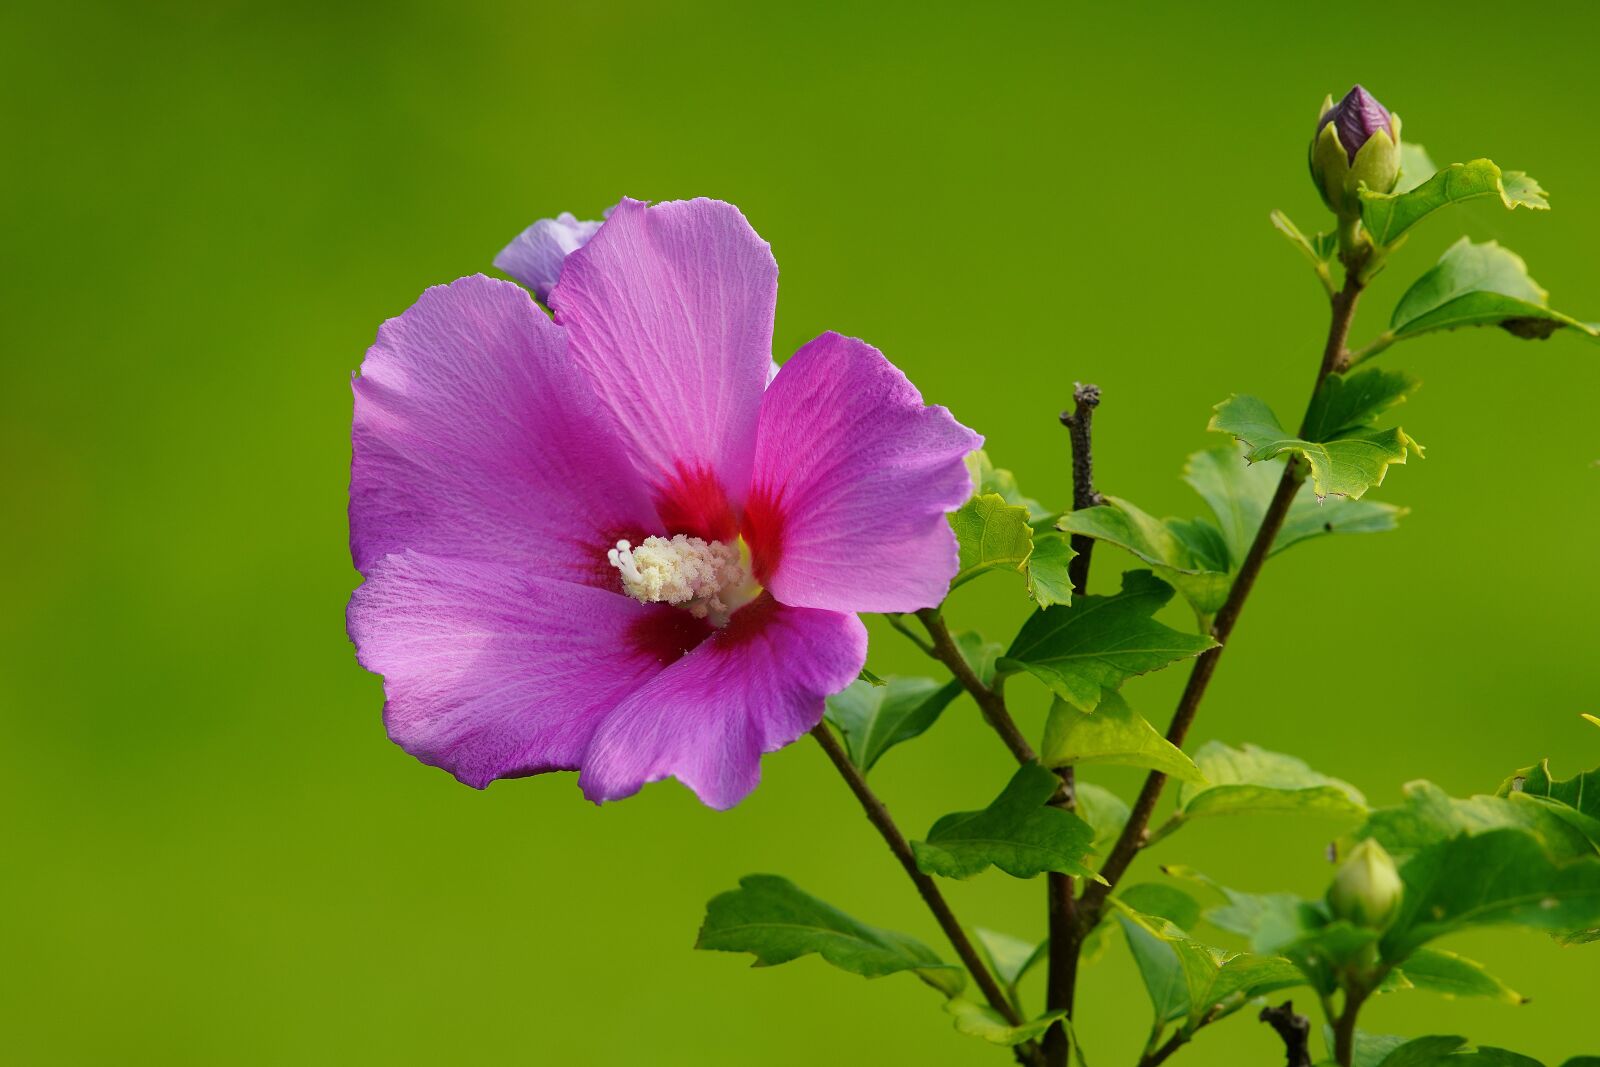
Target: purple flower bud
x,y
1357,117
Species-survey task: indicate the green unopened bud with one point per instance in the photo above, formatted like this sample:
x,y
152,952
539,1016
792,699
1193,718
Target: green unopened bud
x,y
1367,889
1357,143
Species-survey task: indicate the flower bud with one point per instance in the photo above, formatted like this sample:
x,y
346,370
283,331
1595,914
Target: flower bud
x,y
1357,143
1367,889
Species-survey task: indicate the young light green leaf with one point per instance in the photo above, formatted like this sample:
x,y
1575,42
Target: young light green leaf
x,y
1100,641
1415,167
1250,780
1389,215
1048,581
1451,975
1497,877
1427,815
1268,921
980,1021
1113,733
1479,285
1346,465
991,535
775,921
1156,542
1237,493
987,478
1104,811
1019,833
875,718
1319,249
1158,968
1163,901
1009,957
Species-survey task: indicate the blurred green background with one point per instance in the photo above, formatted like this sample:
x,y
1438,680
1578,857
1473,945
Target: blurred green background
x,y
211,853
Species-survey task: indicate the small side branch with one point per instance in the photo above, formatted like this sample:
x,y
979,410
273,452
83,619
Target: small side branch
x,y
1080,430
878,815
1294,1029
990,701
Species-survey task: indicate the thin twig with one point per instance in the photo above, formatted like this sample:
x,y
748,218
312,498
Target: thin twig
x,y
1294,1029
1066,939
1135,831
879,816
898,623
990,700
1160,1055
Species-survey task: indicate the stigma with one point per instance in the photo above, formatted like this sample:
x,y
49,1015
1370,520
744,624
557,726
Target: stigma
x,y
709,579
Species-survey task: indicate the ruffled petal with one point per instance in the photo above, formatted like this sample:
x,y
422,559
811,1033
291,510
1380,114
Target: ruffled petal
x,y
534,258
670,312
475,437
490,673
853,479
750,688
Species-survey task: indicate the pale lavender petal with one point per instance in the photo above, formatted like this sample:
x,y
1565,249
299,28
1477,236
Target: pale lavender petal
x,y
475,437
750,688
490,673
670,312
853,478
534,258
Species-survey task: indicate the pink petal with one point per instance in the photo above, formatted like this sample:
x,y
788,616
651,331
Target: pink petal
x,y
670,313
490,673
475,437
535,256
750,688
853,478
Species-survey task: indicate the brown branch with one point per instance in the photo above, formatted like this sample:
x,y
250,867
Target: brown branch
x,y
1136,831
878,815
990,701
1294,1028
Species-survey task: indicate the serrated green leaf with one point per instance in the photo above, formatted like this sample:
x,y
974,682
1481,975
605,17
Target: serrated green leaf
x,y
1250,780
1113,733
1427,815
1422,1051
1480,285
875,718
1268,921
979,1021
1451,975
774,920
1415,167
987,478
1165,544
1580,793
1104,811
1048,581
1018,833
991,535
1389,215
1101,641
1355,401
1496,877
1238,492
1346,465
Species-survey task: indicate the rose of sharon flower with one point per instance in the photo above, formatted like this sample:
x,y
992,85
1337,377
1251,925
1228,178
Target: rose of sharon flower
x,y
604,543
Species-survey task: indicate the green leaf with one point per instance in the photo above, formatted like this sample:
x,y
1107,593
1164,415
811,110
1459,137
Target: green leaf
x,y
1009,957
1346,465
991,535
1162,901
1415,167
1113,733
1019,833
1101,641
1269,921
1250,780
1104,811
1371,1050
1355,401
875,718
1238,492
1455,976
987,478
1048,581
868,677
1427,815
1422,1051
1389,215
1319,249
1480,285
1159,969
1323,952
1581,792
1165,544
981,655
984,1022
1496,877
775,921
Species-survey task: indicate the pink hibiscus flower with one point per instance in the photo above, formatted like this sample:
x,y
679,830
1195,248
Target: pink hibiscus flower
x,y
606,543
